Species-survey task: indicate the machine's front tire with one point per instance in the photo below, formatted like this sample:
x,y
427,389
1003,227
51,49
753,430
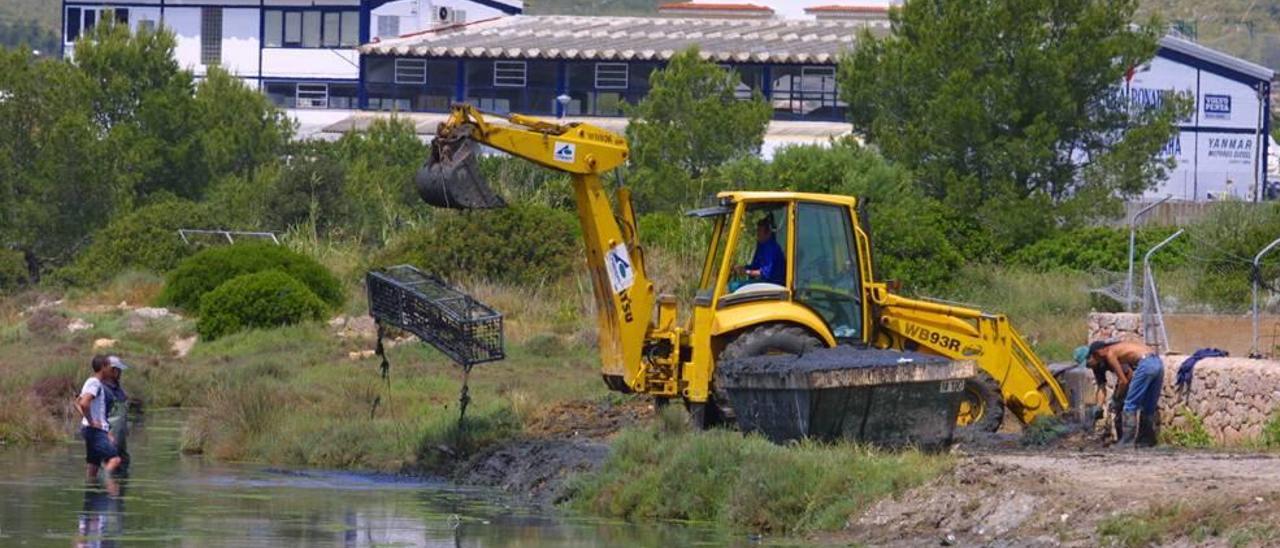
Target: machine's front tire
x,y
762,340
981,405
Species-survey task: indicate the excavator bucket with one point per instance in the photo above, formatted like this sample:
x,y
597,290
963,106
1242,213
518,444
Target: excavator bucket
x,y
451,177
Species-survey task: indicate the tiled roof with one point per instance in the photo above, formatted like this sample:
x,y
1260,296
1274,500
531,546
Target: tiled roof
x,y
633,38
847,9
695,6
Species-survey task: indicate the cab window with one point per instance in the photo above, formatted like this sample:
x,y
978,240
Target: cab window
x,y
826,270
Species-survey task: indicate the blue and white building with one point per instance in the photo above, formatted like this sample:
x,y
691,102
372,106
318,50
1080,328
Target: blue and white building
x,y
1222,146
302,53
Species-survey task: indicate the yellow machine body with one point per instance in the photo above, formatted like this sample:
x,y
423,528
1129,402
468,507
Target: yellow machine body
x,y
645,348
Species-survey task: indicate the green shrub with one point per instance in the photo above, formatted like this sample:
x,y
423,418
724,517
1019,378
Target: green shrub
x,y
13,270
1191,435
1100,248
1271,432
745,481
1226,241
675,232
208,269
144,239
523,244
259,300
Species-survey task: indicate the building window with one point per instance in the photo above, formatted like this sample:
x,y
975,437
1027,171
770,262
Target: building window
x,y
312,95
509,74
411,71
146,25
293,29
273,28
73,24
388,26
332,22
311,28
350,35
210,36
611,76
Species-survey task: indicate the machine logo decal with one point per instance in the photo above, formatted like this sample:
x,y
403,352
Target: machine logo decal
x,y
618,262
565,152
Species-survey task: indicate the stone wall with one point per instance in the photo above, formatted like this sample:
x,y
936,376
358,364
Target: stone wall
x,y
1103,326
1234,397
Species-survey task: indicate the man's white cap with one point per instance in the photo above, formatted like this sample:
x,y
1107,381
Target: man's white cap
x,y
116,362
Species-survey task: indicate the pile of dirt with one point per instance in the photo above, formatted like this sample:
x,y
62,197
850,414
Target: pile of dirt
x,y
1060,498
588,419
535,469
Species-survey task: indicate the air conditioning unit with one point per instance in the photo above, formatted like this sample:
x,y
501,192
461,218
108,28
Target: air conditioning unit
x,y
445,15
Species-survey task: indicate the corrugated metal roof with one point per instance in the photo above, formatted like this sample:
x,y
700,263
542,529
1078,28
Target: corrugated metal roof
x,y
634,38
1216,57
695,6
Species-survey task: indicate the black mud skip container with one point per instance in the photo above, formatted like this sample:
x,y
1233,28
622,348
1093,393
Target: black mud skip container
x,y
882,397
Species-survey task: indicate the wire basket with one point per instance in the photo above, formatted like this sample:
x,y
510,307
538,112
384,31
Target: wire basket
x,y
453,322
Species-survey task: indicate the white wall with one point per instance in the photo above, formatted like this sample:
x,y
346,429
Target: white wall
x,y
418,15
310,63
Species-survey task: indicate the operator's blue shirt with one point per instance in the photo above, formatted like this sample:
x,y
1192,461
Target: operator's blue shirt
x,y
770,261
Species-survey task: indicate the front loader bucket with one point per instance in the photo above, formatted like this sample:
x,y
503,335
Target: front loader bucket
x,y
451,178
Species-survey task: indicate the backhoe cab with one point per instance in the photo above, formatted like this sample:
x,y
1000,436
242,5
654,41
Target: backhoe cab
x,y
827,295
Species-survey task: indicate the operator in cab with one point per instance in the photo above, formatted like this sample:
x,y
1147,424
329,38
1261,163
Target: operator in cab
x,y
769,264
1139,375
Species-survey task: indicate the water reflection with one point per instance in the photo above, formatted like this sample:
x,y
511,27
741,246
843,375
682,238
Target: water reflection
x,y
102,516
171,499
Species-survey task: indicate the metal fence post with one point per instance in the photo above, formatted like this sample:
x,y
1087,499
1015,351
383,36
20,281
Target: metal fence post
x,y
1133,231
1150,295
1255,276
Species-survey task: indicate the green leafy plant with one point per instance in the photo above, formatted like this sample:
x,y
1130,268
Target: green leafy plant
x,y
1193,434
524,243
210,268
13,270
144,239
1099,248
259,300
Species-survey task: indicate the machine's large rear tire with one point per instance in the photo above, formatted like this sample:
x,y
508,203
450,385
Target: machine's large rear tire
x,y
982,405
761,340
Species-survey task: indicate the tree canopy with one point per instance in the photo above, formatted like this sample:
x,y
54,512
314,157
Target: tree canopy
x,y
1010,112
86,140
692,121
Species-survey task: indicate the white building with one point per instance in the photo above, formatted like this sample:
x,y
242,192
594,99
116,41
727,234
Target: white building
x,y
302,53
1221,150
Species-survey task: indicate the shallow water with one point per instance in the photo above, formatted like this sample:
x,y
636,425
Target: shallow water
x,y
173,499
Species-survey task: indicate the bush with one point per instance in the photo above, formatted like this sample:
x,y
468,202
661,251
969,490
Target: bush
x,y
1100,248
522,244
208,269
1225,242
13,270
745,481
144,239
259,300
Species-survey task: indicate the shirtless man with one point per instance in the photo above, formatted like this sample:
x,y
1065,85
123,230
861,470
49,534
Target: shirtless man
x,y
1139,375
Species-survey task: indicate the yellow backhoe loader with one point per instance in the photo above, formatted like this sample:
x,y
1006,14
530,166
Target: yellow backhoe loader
x,y
827,297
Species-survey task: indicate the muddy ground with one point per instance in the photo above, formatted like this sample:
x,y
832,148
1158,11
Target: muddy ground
x,y
1002,492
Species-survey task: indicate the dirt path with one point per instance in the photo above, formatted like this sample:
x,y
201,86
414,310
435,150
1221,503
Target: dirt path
x,y
1064,498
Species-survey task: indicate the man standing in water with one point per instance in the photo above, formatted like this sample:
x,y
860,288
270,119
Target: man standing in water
x,y
1139,375
100,449
117,412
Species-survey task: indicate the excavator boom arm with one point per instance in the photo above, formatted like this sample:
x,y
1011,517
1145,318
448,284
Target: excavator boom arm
x,y
1027,386
624,294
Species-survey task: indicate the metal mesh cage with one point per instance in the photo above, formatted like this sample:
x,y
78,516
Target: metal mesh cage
x,y
456,324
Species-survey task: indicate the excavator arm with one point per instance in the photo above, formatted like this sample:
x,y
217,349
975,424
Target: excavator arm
x,y
1027,386
624,294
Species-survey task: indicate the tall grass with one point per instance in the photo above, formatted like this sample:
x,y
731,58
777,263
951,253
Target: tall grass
x,y
745,481
1048,308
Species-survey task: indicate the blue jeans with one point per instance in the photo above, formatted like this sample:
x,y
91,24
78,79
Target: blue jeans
x,y
1145,386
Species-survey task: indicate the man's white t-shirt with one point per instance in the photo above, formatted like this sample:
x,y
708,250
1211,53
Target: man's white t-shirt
x,y
97,407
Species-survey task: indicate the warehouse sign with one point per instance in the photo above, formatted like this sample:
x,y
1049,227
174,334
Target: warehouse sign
x,y
1217,149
